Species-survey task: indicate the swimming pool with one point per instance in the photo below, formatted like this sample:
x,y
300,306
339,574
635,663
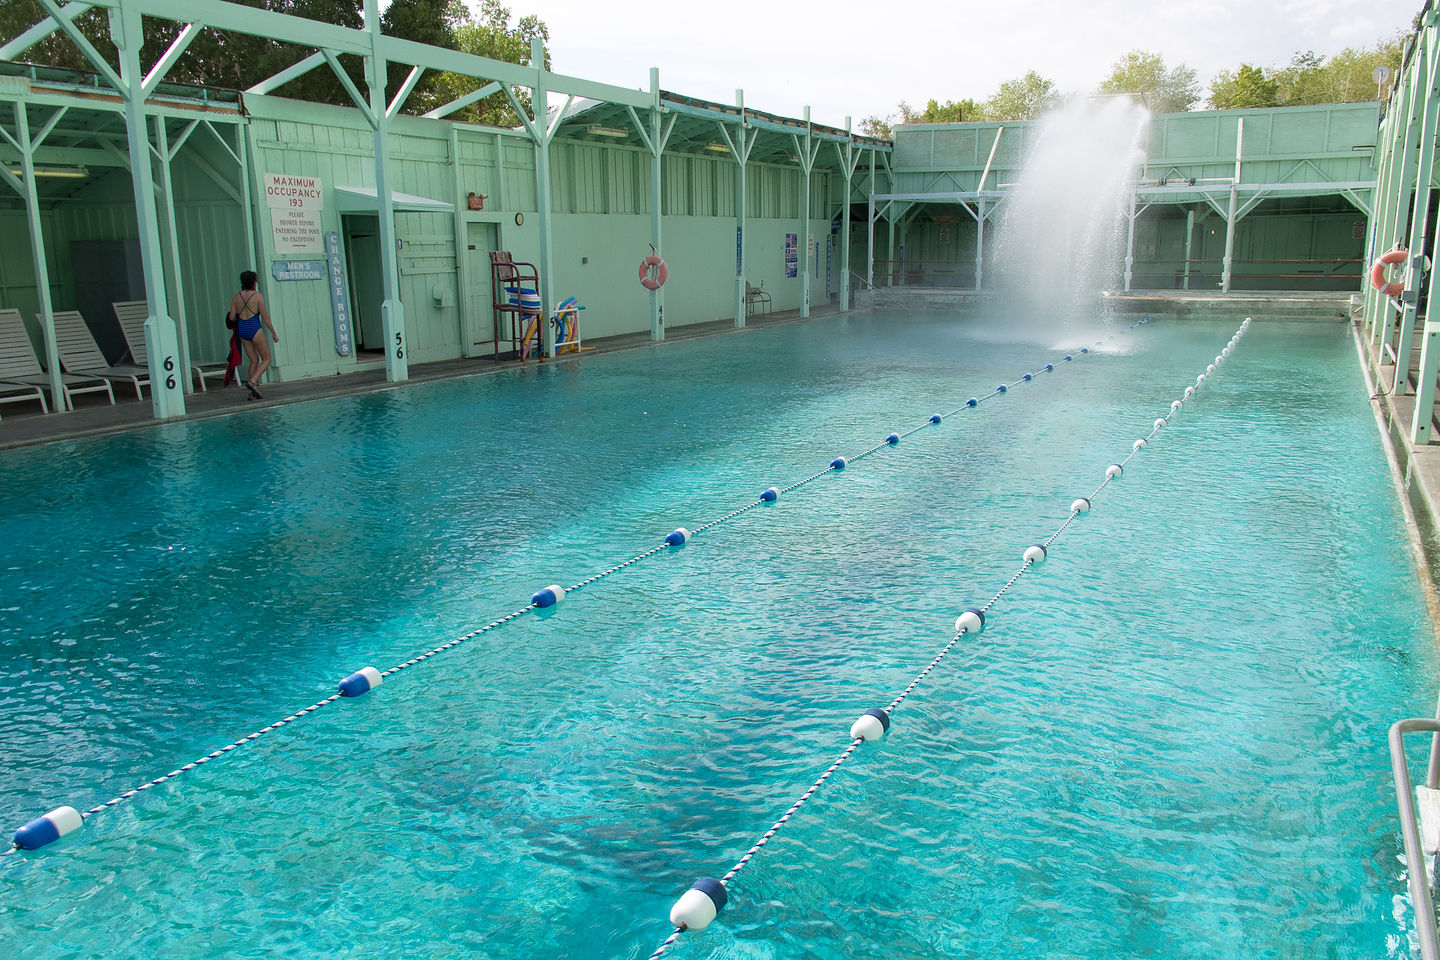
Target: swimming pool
x,y
1170,739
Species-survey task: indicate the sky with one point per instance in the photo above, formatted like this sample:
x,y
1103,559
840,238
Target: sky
x,y
847,58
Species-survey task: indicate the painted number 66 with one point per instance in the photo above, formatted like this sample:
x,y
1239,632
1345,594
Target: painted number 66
x,y
170,380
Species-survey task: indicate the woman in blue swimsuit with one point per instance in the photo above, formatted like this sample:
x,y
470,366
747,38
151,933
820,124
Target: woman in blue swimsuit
x,y
247,309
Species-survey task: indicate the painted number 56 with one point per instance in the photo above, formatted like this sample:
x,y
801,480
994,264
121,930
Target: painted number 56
x,y
399,346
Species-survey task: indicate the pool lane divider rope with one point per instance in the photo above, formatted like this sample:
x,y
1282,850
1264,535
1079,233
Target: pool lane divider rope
x,y
698,907
61,821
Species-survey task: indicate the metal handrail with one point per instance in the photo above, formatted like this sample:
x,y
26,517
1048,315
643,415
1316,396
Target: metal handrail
x,y
1417,877
874,290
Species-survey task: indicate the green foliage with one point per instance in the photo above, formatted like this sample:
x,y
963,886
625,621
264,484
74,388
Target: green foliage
x,y
425,21
1308,78
1247,87
1166,91
238,61
876,126
489,34
951,111
1024,98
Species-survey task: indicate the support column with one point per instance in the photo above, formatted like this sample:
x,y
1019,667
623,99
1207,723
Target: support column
x,y
1130,242
740,151
1419,227
1189,235
807,160
541,101
1227,266
172,250
392,311
847,160
167,398
980,245
37,252
870,228
890,273
1401,184
657,297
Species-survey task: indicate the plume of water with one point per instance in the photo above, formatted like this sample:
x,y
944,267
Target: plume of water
x,y
1063,227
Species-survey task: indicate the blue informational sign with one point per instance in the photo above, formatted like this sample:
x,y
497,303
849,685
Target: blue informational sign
x,y
297,269
739,247
792,255
339,294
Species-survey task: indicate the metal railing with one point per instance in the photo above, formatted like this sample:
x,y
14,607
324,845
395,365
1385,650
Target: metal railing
x,y
1418,872
873,289
1153,273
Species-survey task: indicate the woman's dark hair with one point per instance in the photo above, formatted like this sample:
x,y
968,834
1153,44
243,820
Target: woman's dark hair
x,y
247,280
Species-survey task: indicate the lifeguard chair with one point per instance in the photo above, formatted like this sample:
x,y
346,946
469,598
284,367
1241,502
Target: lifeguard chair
x,y
516,297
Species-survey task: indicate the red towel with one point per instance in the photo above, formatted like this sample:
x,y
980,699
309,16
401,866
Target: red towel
x,y
232,363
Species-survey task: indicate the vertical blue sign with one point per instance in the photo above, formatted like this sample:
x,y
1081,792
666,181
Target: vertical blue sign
x,y
339,297
739,246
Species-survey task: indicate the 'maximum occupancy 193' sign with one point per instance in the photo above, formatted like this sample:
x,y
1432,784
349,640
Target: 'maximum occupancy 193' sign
x,y
295,204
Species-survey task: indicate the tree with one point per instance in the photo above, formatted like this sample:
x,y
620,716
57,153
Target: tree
x,y
1024,98
951,111
1247,87
877,126
425,21
1166,91
490,35
237,60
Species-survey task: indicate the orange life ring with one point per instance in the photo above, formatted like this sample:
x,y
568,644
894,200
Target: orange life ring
x,y
1377,273
653,280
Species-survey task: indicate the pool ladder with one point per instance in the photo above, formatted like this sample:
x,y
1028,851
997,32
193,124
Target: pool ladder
x,y
1420,825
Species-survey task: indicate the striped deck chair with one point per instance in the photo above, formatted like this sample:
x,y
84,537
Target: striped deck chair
x,y
19,364
79,354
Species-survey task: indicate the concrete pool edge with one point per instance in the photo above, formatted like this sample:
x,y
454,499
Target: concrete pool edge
x,y
1415,474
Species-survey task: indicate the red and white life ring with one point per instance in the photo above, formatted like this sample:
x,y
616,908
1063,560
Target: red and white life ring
x,y
653,272
1377,273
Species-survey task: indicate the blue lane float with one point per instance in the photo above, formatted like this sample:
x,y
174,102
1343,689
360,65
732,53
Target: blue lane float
x,y
360,682
699,906
363,681
972,621
875,723
870,725
43,831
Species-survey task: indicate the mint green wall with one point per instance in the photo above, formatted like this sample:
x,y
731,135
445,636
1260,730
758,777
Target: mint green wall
x,y
1326,238
601,205
600,197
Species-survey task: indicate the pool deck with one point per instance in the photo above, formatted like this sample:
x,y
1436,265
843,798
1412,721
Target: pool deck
x,y
93,415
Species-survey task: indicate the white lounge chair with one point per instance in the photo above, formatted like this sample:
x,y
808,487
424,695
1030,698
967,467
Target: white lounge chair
x,y
79,354
19,364
132,315
23,393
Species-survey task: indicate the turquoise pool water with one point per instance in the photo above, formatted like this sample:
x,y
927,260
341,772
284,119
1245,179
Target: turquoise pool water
x,y
1169,741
